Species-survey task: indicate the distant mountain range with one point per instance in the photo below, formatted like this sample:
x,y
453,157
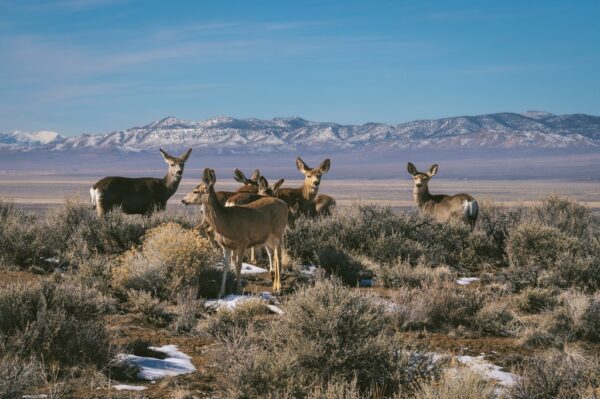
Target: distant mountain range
x,y
222,134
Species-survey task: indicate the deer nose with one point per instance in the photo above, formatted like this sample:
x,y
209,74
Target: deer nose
x,y
418,185
184,202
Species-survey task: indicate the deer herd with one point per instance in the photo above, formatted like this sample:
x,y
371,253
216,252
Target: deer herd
x,y
257,214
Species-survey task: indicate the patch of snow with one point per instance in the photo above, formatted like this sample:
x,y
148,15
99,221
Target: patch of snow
x,y
466,280
230,301
309,270
176,363
125,387
248,268
479,365
275,309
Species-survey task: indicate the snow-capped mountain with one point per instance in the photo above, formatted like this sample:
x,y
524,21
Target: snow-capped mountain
x,y
531,129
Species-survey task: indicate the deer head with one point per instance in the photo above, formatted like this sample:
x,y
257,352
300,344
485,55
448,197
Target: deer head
x,y
312,176
421,179
265,189
176,164
202,189
240,177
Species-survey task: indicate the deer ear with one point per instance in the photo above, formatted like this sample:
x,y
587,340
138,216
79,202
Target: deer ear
x,y
302,167
255,175
206,176
184,157
277,185
325,165
239,176
213,177
412,169
166,156
432,170
263,184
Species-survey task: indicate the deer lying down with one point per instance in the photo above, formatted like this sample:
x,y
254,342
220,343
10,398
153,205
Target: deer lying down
x,y
139,195
441,206
238,227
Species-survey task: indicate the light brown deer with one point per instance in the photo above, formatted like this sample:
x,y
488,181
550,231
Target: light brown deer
x,y
238,227
441,206
304,198
264,190
141,195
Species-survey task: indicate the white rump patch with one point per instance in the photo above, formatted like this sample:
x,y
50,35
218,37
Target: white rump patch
x,y
470,208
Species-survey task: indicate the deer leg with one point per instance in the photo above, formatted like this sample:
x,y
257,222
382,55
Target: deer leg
x,y
238,269
277,279
252,255
227,261
270,259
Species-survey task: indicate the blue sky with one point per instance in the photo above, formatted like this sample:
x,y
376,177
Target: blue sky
x,y
94,66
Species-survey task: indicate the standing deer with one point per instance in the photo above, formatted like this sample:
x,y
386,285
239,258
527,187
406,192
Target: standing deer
x,y
141,195
442,207
248,185
238,227
304,198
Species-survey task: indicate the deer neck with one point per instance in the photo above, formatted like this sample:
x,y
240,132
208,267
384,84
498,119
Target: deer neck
x,y
214,211
421,197
171,183
307,194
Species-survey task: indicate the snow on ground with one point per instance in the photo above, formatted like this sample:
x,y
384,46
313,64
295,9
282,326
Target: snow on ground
x,y
151,369
125,387
479,365
232,300
248,268
466,280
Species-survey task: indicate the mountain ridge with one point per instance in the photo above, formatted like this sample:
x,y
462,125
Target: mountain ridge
x,y
531,129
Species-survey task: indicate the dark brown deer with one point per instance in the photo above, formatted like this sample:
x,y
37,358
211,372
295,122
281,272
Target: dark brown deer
x,y
441,206
142,195
303,198
238,227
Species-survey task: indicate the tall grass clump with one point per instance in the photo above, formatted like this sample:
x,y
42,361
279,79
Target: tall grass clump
x,y
329,334
171,259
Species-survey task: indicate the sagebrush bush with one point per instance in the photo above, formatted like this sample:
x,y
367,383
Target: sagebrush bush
x,y
495,318
189,309
533,251
59,322
403,274
387,237
439,304
171,259
557,374
535,300
18,374
226,323
19,244
152,309
328,333
457,384
566,215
